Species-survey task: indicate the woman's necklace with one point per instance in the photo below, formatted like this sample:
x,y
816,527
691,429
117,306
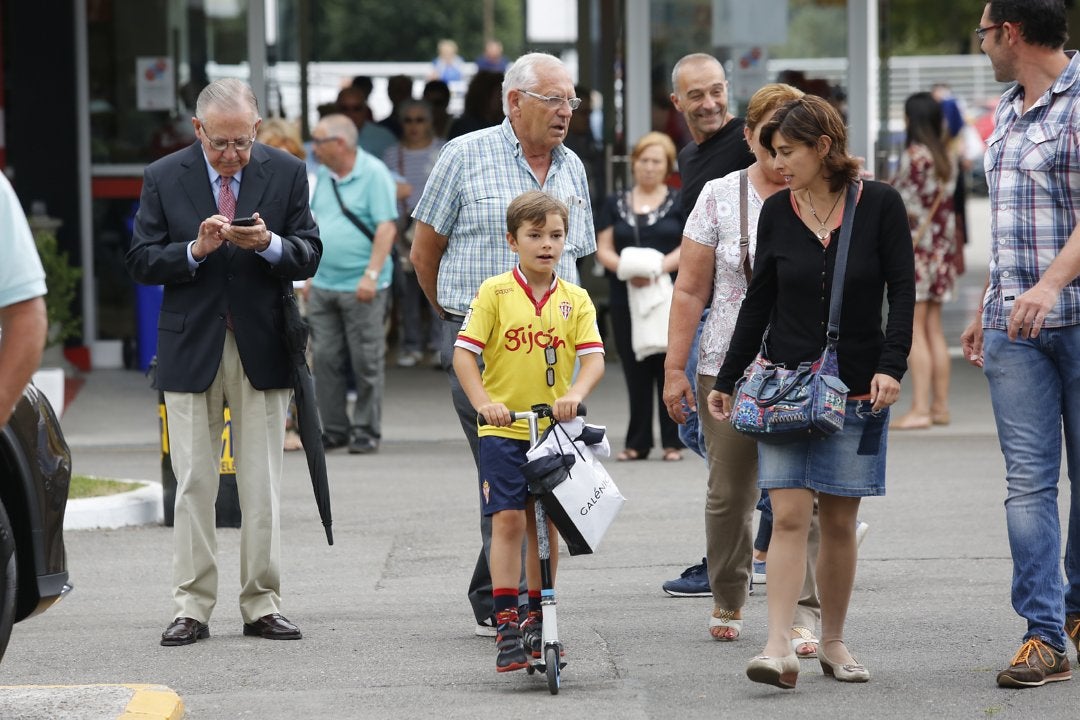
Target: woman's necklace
x,y
823,231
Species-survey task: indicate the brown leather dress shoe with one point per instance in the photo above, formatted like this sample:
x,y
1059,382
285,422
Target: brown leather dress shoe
x,y
184,631
273,627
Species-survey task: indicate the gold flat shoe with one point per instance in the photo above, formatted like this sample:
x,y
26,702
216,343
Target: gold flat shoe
x,y
853,673
782,672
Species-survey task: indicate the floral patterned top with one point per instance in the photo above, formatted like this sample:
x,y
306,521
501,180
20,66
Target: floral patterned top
x,y
715,222
935,251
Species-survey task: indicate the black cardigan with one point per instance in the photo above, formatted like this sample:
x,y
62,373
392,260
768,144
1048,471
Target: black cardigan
x,y
793,279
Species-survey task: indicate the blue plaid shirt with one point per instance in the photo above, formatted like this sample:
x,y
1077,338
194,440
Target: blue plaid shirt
x,y
465,199
1033,169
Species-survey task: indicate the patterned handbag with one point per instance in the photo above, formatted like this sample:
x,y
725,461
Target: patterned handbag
x,y
774,404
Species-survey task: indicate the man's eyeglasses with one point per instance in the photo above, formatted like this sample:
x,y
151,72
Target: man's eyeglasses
x,y
981,31
550,358
320,141
221,144
411,120
555,102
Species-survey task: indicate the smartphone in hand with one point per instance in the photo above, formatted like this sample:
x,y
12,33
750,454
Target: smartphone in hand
x,y
243,221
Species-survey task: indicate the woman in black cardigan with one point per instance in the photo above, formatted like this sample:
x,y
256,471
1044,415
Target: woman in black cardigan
x,y
793,275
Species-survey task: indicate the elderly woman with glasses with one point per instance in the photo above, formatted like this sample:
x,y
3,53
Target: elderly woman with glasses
x,y
412,158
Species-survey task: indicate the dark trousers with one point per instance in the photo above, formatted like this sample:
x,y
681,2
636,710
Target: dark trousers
x,y
644,381
480,590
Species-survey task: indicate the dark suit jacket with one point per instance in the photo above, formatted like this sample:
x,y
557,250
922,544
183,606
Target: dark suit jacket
x,y
176,198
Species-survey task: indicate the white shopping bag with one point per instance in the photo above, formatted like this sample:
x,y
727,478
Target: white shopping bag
x,y
577,492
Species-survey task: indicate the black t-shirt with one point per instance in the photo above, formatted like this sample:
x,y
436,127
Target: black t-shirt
x,y
720,155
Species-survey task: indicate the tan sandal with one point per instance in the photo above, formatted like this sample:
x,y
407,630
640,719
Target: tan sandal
x,y
805,639
723,620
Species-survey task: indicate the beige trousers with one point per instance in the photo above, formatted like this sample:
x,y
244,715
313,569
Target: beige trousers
x,y
730,498
195,423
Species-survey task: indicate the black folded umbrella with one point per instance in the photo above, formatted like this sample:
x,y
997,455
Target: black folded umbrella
x,y
308,423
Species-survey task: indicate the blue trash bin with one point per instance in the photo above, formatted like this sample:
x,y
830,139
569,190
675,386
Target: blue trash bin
x,y
147,307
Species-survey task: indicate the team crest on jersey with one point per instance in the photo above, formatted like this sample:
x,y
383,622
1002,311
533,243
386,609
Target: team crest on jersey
x,y
565,308
465,322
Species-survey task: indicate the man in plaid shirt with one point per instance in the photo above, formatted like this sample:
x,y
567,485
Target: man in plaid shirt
x,y
461,225
1027,337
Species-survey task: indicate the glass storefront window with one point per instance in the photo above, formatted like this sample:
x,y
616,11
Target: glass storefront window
x,y
148,61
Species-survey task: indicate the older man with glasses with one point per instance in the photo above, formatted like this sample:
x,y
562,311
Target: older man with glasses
x,y
461,225
220,340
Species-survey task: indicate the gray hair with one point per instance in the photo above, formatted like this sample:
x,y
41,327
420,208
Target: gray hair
x,y
523,74
687,60
342,126
227,95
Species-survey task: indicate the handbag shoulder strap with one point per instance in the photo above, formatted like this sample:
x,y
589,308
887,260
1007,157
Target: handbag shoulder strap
x,y
349,213
744,224
925,224
840,268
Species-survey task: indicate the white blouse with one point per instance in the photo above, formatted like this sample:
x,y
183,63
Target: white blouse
x,y
715,222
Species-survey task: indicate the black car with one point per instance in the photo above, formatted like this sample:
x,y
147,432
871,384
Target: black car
x,y
35,471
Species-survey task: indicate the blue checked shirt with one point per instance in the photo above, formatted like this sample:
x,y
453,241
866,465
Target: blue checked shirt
x,y
465,199
1033,169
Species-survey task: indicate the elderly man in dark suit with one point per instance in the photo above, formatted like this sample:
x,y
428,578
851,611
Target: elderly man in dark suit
x,y
220,339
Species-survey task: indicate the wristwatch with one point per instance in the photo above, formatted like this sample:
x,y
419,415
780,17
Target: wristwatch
x,y
373,274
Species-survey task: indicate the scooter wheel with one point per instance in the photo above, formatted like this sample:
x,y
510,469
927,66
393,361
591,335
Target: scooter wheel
x,y
551,659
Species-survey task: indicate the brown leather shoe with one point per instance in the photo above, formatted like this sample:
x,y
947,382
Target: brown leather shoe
x,y
184,631
273,627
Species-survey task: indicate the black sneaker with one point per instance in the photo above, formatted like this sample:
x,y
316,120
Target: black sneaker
x,y
532,633
1034,665
362,445
511,651
694,582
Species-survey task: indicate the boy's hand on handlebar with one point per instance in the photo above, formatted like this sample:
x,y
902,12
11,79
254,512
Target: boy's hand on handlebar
x,y
495,414
566,407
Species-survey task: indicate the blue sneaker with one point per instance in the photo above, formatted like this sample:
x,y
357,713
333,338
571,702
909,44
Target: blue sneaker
x,y
759,572
694,582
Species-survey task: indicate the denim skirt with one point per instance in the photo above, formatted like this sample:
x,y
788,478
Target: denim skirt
x,y
850,463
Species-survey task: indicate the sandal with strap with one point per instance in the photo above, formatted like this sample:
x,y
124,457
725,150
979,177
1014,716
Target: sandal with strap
x,y
630,454
723,620
804,641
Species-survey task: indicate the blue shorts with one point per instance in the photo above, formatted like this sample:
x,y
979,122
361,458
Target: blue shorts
x,y
502,486
850,463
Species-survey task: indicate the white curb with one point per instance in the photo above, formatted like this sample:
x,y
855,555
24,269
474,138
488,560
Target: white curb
x,y
135,507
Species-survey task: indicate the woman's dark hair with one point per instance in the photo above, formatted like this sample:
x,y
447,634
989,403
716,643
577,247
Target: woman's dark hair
x,y
482,87
926,126
804,121
1042,22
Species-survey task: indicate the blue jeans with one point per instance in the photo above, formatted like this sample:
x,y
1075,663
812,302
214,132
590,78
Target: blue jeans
x,y
690,432
1035,391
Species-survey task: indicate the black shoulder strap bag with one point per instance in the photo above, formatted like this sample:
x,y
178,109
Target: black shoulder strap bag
x,y
350,214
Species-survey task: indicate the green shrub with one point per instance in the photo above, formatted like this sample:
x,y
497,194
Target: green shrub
x,y
62,279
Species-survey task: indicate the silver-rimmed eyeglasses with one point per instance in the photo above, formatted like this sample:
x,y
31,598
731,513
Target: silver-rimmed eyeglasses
x,y
221,144
555,102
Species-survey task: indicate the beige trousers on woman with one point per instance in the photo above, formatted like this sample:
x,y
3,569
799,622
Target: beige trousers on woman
x,y
730,498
